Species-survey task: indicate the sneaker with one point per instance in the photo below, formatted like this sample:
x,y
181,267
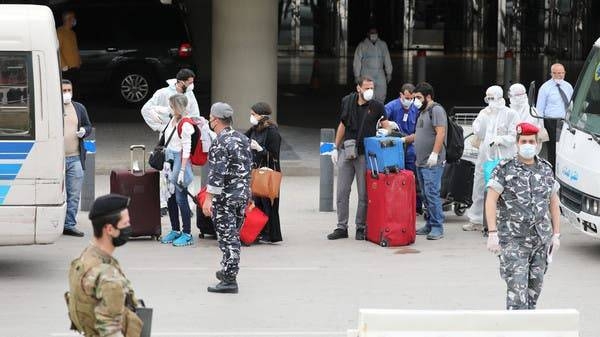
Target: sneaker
x,y
338,233
435,236
360,234
184,240
424,230
169,238
472,227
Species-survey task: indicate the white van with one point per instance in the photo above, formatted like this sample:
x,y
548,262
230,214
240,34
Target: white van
x,y
578,151
32,196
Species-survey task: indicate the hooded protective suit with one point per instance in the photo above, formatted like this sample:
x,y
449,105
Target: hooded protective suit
x,y
520,103
369,60
496,127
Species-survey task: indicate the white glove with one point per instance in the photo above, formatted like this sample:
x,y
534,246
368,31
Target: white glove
x,y
255,146
180,177
382,132
388,77
393,125
167,166
432,160
334,156
65,68
498,140
493,243
81,132
555,242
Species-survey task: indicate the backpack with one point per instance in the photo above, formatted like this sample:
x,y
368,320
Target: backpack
x,y
455,141
197,155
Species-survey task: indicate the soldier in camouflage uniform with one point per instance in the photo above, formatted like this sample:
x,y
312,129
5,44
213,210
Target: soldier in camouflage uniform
x,y
228,192
101,300
524,193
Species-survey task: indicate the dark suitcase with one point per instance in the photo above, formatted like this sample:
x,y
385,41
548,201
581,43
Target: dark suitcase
x,y
204,223
142,187
457,182
391,215
384,154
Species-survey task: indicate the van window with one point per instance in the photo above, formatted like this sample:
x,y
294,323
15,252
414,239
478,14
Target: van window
x,y
16,106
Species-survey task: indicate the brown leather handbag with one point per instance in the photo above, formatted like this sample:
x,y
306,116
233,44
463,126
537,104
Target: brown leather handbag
x,y
265,183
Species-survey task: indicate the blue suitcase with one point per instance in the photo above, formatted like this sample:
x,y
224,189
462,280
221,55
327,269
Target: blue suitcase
x,y
384,154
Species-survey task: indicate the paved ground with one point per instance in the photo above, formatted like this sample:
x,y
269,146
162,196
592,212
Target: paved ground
x,y
305,286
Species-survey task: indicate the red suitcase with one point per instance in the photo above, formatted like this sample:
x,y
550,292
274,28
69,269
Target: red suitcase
x,y
391,216
142,187
254,223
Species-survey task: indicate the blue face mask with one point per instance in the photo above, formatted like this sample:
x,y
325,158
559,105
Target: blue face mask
x,y
527,151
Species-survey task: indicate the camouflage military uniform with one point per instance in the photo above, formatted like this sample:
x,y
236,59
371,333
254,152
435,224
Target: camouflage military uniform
x,y
524,227
100,297
230,163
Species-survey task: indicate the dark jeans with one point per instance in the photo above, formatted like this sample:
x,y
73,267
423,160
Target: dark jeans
x,y
178,202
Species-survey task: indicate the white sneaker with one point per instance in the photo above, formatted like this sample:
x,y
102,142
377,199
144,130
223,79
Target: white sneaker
x,y
473,227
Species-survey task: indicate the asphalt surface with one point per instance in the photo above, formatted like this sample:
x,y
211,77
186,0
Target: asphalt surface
x,y
304,286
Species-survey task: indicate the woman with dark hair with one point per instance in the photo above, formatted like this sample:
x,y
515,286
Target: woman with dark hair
x,y
265,142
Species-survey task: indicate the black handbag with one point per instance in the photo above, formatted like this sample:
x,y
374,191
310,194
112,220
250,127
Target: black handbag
x,y
157,156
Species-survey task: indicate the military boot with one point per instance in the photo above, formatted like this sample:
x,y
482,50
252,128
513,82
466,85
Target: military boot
x,y
226,286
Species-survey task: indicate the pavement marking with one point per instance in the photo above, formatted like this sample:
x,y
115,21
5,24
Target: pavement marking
x,y
227,334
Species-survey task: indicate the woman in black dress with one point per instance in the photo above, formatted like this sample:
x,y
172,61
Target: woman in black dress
x,y
265,142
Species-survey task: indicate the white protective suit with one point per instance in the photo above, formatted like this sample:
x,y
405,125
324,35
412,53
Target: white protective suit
x,y
497,125
520,103
156,114
369,60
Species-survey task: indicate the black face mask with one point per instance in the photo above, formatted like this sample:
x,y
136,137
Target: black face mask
x,y
210,126
124,234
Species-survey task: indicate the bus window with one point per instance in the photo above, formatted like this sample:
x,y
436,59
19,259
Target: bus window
x,y
585,113
16,103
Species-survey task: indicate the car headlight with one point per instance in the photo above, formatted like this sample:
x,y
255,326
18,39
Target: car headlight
x,y
595,207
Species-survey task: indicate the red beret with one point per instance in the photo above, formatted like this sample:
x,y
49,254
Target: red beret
x,y
527,129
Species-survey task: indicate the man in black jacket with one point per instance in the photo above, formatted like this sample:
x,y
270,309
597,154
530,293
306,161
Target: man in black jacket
x,y
77,126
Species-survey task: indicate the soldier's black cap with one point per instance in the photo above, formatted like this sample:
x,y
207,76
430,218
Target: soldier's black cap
x,y
108,204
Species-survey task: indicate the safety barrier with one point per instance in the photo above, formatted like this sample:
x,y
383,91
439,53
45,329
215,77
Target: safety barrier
x,y
467,323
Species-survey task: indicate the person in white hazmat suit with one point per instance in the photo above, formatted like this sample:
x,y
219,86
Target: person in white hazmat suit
x,y
495,128
372,59
156,114
517,95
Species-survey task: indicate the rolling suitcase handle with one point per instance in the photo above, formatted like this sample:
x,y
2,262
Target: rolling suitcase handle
x,y
135,169
373,162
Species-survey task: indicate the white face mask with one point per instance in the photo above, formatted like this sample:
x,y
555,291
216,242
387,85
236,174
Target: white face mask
x,y
418,103
373,37
368,94
253,120
519,101
67,96
406,102
527,151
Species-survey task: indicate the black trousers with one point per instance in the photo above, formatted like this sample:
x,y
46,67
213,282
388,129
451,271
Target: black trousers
x,y
550,125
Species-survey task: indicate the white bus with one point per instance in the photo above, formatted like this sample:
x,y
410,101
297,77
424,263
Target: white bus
x,y
578,151
32,196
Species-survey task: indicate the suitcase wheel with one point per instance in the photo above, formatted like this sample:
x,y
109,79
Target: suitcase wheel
x,y
155,237
201,236
460,210
383,243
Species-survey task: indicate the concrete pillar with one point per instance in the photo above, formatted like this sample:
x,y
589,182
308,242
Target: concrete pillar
x,y
244,56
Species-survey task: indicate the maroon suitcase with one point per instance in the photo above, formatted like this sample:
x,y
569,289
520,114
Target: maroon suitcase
x,y
391,216
142,187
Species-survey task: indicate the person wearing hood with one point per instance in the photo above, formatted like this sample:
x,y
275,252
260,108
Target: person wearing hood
x,y
495,128
372,59
517,94
360,117
157,114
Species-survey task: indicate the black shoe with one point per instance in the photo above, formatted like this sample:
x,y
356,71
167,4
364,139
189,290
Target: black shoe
x,y
224,287
164,211
338,233
360,234
73,232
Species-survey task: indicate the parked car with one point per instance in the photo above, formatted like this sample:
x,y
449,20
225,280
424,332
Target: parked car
x,y
128,47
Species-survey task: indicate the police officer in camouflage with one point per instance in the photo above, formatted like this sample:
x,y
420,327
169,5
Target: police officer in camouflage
x,y
523,216
228,192
101,300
